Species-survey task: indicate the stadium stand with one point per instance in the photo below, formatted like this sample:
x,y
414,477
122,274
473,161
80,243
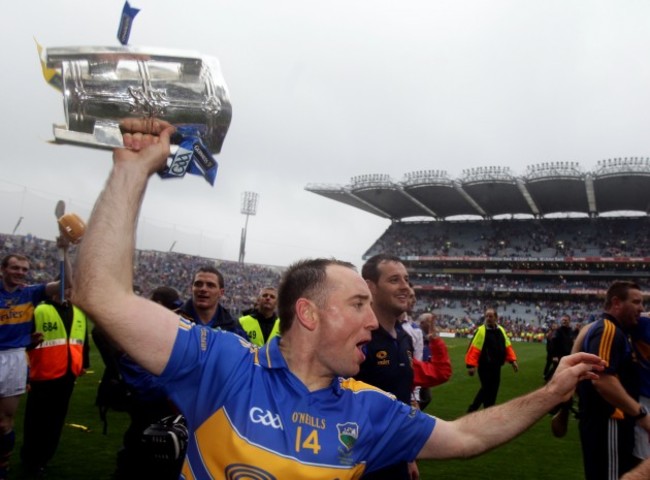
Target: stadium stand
x,y
534,246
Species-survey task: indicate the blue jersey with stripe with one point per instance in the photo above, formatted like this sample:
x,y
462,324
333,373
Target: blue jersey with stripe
x,y
250,417
17,314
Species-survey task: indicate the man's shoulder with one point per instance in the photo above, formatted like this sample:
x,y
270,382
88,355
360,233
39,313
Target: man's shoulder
x,y
25,292
604,337
359,386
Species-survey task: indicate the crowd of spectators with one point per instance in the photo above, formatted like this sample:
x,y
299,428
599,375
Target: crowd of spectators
x,y
243,281
559,237
155,269
490,283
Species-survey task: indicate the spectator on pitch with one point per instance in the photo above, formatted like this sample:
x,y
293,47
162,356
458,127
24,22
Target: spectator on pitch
x,y
263,323
290,406
608,408
561,343
17,303
204,308
549,354
489,349
54,366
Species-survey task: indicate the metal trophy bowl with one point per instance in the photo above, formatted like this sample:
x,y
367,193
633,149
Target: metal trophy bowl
x,y
103,85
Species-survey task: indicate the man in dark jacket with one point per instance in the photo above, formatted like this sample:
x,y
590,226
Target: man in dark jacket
x,y
560,344
204,308
489,349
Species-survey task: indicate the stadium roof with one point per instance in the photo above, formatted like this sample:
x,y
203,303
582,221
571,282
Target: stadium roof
x,y
620,184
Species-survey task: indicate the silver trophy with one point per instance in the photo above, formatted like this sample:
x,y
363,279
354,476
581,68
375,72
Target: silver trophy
x,y
103,85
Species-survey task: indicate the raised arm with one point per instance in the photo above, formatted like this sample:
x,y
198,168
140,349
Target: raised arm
x,y
484,430
104,270
52,288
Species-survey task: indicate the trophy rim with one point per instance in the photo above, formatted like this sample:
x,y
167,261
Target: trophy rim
x,y
56,55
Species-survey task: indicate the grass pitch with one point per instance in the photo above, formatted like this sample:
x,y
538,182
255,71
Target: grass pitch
x,y
85,453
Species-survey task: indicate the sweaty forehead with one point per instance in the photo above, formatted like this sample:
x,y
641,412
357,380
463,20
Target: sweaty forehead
x,y
206,277
14,262
343,278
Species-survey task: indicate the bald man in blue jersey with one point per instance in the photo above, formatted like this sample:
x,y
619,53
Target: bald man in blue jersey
x,y
287,409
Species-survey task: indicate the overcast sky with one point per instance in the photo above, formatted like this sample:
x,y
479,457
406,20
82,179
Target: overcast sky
x,y
323,91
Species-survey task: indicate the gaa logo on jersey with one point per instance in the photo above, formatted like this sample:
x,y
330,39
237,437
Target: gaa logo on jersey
x,y
266,418
348,434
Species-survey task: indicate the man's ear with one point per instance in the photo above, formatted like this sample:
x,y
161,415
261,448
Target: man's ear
x,y
307,313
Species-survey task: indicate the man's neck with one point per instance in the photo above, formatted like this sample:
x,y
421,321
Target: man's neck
x,y
302,362
9,288
387,322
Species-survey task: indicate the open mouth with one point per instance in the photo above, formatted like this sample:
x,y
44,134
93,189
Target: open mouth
x,y
361,348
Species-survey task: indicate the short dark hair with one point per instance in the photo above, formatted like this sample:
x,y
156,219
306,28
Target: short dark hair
x,y
370,269
304,279
620,290
18,256
496,315
210,269
167,297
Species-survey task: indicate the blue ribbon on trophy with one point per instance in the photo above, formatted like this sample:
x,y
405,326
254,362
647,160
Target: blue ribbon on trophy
x,y
192,155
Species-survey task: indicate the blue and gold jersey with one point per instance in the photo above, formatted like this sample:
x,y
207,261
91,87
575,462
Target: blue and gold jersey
x,y
607,339
250,417
17,315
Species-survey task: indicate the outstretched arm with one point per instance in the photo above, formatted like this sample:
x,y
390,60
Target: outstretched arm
x,y
104,273
484,430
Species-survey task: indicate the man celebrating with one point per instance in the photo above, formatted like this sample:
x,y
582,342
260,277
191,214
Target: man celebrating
x,y
17,303
489,350
204,308
284,410
263,324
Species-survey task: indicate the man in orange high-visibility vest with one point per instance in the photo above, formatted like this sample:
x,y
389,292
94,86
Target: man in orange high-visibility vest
x,y
489,350
55,365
